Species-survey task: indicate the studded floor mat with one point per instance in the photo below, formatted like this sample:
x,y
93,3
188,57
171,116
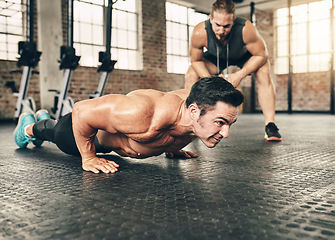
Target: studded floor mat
x,y
245,188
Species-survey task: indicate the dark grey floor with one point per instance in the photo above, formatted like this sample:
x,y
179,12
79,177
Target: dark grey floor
x,y
244,188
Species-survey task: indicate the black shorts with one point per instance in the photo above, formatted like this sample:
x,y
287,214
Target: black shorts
x,y
223,62
61,133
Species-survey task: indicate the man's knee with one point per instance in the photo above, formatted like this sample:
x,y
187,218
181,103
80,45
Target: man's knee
x,y
190,74
263,75
44,129
191,77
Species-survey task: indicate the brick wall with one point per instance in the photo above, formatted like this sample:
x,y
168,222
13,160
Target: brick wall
x,y
264,25
85,79
281,93
310,91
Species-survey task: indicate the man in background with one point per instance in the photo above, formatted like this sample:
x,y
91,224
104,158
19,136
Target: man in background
x,y
232,40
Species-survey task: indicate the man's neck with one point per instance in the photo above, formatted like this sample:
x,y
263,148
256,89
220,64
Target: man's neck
x,y
184,121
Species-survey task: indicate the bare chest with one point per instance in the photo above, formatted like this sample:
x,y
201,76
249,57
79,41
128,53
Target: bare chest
x,y
143,145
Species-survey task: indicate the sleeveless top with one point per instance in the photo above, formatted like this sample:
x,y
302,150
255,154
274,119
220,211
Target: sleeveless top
x,y
234,48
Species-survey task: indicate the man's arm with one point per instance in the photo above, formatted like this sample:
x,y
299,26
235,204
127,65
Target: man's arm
x,y
178,151
181,154
198,42
256,46
110,113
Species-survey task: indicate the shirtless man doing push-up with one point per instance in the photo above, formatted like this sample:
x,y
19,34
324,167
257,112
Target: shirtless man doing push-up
x,y
140,124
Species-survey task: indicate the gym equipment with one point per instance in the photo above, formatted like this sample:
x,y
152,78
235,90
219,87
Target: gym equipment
x,y
107,65
29,58
69,62
253,84
332,75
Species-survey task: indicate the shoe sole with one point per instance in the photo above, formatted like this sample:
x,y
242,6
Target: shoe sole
x,y
18,124
17,127
272,139
39,113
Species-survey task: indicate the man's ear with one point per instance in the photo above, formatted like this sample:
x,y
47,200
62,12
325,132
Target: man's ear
x,y
194,110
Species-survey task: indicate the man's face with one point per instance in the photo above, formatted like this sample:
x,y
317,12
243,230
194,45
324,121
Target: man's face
x,y
222,23
214,124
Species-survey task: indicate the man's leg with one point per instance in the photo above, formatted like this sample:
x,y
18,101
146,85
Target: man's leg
x,y
58,132
22,132
42,115
267,101
64,137
266,93
47,129
37,132
191,77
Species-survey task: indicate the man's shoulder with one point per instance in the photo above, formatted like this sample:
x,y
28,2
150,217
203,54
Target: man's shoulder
x,y
200,25
145,93
159,108
199,29
240,20
199,36
152,97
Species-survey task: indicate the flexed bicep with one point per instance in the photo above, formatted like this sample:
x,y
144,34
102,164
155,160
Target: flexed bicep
x,y
254,41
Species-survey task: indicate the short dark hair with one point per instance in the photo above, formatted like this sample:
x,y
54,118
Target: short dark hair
x,y
223,5
209,90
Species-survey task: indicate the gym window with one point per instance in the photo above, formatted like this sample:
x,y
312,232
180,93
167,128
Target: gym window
x,y
180,22
89,32
310,38
11,28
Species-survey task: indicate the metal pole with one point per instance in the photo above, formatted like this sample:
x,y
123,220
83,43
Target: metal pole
x,y
102,83
332,77
22,95
253,87
109,28
63,95
70,23
252,12
30,20
289,80
107,65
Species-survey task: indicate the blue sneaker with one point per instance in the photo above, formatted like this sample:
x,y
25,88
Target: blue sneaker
x,y
40,115
20,137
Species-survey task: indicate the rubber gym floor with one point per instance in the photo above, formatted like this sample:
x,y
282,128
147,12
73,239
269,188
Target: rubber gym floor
x,y
245,188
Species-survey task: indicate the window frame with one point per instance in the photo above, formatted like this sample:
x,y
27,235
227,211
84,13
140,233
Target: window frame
x,y
302,60
129,59
180,67
10,38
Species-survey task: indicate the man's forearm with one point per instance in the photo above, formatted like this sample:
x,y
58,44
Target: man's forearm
x,y
201,69
86,148
84,135
252,65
